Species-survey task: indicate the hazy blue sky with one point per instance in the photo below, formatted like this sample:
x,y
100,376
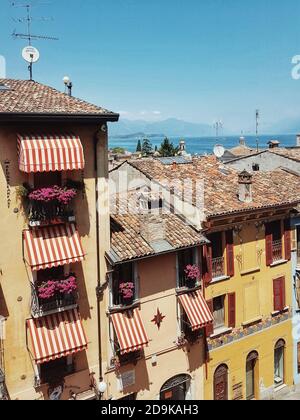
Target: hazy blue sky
x,y
151,59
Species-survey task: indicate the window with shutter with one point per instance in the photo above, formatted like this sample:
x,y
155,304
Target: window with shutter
x,y
230,253
269,248
231,310
287,239
279,294
207,264
210,327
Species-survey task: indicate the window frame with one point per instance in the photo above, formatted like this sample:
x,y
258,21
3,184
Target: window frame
x,y
219,327
134,280
196,261
280,346
70,368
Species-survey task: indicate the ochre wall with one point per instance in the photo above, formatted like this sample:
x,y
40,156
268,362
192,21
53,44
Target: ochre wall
x,y
253,285
15,277
157,290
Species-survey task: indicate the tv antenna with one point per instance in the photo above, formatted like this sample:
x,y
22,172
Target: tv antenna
x,y
257,117
29,53
218,125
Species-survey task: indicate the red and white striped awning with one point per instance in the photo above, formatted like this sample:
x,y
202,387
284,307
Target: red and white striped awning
x,y
53,246
50,153
196,309
130,331
56,336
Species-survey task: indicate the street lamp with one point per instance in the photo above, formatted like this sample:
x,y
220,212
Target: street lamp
x,y
102,388
68,85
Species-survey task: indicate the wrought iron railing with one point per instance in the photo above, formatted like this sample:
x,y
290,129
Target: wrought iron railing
x,y
218,267
277,250
40,307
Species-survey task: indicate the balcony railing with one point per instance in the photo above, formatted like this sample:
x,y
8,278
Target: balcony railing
x,y
277,250
218,267
59,303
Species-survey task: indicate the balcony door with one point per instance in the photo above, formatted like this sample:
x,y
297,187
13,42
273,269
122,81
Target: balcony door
x,y
221,383
176,389
251,376
279,363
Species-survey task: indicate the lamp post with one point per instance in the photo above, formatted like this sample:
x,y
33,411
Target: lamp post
x,y
102,388
68,85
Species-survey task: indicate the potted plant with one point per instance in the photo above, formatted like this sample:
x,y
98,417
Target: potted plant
x,y
126,291
192,273
47,290
67,287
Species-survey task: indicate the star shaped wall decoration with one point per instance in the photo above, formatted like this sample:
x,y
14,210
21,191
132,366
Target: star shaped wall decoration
x,y
158,319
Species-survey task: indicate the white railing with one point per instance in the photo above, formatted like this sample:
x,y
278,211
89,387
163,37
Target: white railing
x,y
218,267
277,251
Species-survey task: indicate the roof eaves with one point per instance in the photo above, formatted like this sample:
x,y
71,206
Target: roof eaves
x,y
58,117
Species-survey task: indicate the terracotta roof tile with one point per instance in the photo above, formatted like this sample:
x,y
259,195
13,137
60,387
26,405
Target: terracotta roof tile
x,y
221,184
24,96
127,240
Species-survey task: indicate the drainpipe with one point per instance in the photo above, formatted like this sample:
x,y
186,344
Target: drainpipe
x,y
100,287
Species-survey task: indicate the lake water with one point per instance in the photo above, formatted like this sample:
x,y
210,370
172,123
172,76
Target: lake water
x,y
204,145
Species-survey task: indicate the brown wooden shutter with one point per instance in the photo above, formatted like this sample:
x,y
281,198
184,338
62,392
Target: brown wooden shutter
x,y
230,253
231,310
287,239
269,245
279,294
294,238
207,264
210,328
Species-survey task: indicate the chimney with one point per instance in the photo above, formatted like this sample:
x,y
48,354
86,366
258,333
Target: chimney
x,y
245,187
298,140
274,144
153,227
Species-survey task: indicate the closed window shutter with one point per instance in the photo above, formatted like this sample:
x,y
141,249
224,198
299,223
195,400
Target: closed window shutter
x,y
207,264
230,253
210,328
269,245
294,239
231,310
279,294
287,239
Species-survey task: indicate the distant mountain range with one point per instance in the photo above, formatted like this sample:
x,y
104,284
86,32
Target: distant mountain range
x,y
171,127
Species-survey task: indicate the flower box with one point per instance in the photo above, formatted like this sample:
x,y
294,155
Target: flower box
x,y
51,204
192,276
127,292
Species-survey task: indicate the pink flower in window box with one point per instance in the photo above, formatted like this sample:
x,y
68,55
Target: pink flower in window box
x,y
127,290
192,272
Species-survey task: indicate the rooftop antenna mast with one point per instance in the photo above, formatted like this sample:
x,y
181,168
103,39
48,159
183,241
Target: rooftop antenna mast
x,y
257,127
30,54
218,126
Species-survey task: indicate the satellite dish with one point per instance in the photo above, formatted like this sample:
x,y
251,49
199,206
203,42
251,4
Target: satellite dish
x,y
219,151
30,54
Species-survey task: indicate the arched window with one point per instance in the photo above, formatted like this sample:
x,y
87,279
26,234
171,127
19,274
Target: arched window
x,y
176,389
279,353
221,383
251,375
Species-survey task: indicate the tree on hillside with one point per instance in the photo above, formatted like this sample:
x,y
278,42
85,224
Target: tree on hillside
x,y
146,147
119,150
167,148
139,146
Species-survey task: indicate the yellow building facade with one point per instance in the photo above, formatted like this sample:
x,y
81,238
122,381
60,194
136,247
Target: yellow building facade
x,y
250,349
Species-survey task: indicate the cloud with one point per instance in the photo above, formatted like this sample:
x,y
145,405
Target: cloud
x,y
156,112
